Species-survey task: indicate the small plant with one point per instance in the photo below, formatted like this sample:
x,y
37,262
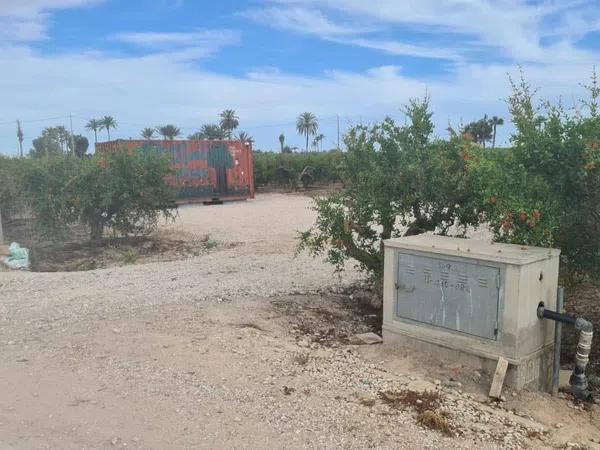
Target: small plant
x,y
301,358
207,242
435,421
129,256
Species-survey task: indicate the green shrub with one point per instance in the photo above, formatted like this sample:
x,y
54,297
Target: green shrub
x,y
123,191
397,180
12,176
283,169
545,190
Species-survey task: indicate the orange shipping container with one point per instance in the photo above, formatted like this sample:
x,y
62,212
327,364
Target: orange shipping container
x,y
204,170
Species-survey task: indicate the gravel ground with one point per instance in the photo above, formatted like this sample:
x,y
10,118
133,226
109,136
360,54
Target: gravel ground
x,y
243,347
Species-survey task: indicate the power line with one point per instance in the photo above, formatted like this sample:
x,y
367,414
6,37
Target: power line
x,y
11,122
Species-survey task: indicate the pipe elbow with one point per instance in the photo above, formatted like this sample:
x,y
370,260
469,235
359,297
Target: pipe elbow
x,y
584,325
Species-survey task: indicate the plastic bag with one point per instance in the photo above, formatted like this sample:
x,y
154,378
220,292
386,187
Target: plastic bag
x,y
18,257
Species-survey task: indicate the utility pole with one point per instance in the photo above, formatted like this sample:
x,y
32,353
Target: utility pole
x,y
338,131
72,137
20,137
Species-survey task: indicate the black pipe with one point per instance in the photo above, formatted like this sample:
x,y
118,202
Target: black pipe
x,y
578,381
564,318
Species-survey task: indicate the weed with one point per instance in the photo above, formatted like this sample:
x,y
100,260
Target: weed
x,y
435,421
301,358
207,242
419,401
426,405
129,256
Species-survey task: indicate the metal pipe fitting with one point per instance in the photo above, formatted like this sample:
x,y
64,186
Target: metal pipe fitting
x,y
577,381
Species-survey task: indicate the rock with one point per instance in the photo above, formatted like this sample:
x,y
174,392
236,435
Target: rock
x,y
452,383
366,339
559,425
420,386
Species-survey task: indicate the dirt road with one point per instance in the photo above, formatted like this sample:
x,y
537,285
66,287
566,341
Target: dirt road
x,y
235,348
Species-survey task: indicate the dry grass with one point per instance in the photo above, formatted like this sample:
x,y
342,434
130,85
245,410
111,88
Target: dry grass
x,y
426,404
435,421
419,401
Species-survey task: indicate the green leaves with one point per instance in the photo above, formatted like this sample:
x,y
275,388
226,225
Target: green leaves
x,y
398,180
547,188
125,192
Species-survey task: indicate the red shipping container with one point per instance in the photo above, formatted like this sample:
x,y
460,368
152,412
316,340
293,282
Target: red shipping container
x,y
204,170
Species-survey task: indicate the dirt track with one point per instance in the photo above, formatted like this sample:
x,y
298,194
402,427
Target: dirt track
x,y
231,349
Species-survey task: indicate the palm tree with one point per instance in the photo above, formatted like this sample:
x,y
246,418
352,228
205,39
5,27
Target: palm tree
x,y
495,121
211,131
94,125
281,141
229,122
148,133
63,137
20,137
318,141
307,124
108,122
169,132
245,138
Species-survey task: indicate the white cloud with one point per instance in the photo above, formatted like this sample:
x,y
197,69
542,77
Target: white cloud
x,y
28,20
400,48
180,45
511,29
312,21
302,20
200,38
167,85
160,88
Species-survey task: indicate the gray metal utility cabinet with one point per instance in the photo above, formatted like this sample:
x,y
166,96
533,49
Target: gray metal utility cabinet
x,y
471,301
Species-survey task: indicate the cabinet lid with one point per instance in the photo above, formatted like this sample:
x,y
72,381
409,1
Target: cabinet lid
x,y
473,249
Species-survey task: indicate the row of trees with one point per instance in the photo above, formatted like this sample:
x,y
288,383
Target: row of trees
x,y
307,124
57,140
105,123
402,180
483,130
229,121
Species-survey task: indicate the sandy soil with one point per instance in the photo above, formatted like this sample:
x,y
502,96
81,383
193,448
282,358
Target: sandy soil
x,y
245,346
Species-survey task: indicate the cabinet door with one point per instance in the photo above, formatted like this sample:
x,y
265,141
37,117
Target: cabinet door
x,y
459,296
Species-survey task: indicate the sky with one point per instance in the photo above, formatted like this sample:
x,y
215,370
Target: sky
x,y
155,62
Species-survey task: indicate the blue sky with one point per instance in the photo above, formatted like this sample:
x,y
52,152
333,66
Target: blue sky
x,y
150,63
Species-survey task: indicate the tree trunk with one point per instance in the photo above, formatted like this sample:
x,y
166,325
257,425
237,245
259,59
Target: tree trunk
x,y
108,132
97,230
95,137
494,137
307,142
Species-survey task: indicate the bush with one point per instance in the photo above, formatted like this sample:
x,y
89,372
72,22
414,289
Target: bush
x,y
12,176
398,181
545,190
284,169
126,192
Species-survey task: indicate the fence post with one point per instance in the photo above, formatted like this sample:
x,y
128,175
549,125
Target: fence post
x,y
1,232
